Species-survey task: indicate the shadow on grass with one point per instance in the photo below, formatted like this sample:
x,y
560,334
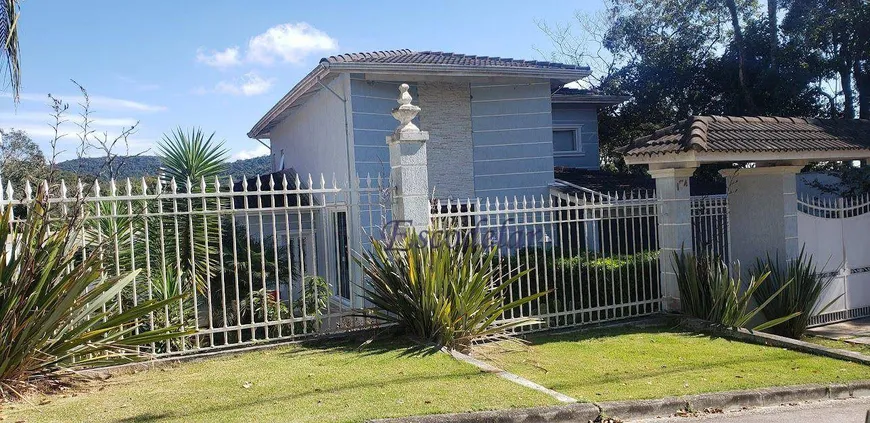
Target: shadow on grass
x,y
371,345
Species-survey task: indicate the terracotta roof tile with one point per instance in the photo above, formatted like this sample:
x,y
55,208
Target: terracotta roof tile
x,y
754,134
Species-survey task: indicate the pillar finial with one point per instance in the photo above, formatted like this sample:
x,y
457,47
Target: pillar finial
x,y
406,112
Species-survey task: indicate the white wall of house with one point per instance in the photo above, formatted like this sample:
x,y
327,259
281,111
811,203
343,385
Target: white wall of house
x,y
313,137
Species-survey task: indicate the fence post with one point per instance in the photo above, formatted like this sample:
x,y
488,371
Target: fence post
x,y
675,227
408,166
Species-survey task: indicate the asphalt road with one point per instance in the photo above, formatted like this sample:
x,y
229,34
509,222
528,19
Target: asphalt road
x,y
839,411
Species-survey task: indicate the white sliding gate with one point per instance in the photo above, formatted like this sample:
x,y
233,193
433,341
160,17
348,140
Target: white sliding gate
x,y
837,234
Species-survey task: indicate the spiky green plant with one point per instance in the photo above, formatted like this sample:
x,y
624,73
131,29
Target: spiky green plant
x,y
57,310
445,290
709,292
9,43
190,155
802,286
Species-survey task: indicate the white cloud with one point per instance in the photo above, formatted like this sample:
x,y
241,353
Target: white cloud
x,y
97,102
27,118
287,43
260,150
249,84
219,59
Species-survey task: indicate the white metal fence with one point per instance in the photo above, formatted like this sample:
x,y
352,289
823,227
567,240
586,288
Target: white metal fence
x,y
710,229
271,257
262,258
598,257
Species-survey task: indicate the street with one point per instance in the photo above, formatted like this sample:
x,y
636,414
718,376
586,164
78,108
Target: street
x,y
840,411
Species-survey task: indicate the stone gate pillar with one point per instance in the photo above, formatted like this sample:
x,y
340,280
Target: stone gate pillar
x,y
762,213
675,227
408,166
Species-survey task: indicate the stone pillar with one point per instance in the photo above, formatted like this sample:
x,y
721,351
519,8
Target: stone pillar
x,y
675,227
408,166
762,213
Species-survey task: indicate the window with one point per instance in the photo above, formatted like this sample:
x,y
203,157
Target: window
x,y
566,140
342,252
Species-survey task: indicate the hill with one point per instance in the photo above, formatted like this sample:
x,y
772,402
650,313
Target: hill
x,y
139,166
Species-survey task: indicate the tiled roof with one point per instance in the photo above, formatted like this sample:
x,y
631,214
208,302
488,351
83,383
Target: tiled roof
x,y
443,58
754,134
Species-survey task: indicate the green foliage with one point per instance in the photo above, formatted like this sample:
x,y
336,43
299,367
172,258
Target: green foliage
x,y
446,290
585,280
20,159
801,286
314,300
709,292
149,166
57,311
9,53
191,155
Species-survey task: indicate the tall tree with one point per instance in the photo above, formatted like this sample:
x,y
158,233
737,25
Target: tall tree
x,y
9,53
20,158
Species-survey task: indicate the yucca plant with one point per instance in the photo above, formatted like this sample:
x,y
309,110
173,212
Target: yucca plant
x,y
447,290
191,154
709,292
802,286
57,310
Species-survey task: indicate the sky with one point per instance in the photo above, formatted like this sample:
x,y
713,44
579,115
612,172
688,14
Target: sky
x,y
220,65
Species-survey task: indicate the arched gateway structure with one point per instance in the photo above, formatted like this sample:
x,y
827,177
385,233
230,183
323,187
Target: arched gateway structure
x,y
762,203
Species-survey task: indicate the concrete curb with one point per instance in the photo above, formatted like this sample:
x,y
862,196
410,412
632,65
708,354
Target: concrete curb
x,y
579,412
733,400
768,339
646,409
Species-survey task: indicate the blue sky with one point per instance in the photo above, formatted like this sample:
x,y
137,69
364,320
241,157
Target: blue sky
x,y
221,65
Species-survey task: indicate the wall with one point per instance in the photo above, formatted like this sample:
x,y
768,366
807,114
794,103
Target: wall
x,y
313,137
513,139
446,115
586,117
372,102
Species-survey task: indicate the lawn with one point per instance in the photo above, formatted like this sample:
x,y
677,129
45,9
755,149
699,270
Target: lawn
x,y
843,345
332,382
627,363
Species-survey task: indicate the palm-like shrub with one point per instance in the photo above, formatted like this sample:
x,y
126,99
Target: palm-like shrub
x,y
802,286
191,155
709,292
446,289
57,310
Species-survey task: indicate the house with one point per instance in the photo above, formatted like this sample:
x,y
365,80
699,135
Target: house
x,y
497,126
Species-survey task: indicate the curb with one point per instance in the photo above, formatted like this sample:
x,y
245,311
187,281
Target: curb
x,y
579,412
768,339
733,400
645,409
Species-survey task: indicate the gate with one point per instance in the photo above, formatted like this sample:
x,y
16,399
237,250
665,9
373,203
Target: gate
x,y
835,232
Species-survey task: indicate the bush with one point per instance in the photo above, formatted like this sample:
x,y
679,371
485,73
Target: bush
x,y
446,290
57,310
584,281
802,287
709,292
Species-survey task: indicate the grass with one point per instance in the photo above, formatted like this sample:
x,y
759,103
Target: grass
x,y
330,382
628,363
843,345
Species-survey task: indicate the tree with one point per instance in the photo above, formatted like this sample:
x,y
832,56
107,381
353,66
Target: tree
x,y
20,158
9,53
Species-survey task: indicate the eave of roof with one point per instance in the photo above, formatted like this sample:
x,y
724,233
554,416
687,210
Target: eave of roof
x,y
606,100
345,63
708,139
